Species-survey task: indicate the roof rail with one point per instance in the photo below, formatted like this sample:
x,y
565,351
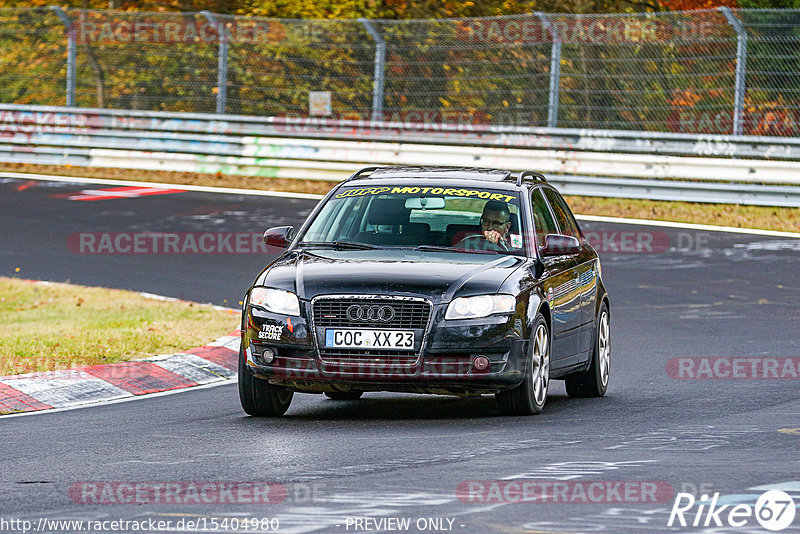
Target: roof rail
x,y
532,176
360,173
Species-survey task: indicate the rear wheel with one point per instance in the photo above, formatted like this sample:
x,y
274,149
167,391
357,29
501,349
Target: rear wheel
x,y
594,381
529,397
258,397
344,395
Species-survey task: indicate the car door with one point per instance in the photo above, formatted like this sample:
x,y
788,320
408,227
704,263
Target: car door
x,y
585,270
560,286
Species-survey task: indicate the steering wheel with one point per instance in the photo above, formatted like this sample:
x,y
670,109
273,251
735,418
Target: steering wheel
x,y
479,242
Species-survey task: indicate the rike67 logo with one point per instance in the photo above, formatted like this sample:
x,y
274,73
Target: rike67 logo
x,y
774,510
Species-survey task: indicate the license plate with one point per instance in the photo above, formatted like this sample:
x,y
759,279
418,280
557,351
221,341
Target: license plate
x,y
351,338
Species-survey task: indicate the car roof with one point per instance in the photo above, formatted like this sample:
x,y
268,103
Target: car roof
x,y
463,173
445,174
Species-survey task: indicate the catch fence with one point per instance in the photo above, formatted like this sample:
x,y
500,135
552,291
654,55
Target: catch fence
x,y
723,71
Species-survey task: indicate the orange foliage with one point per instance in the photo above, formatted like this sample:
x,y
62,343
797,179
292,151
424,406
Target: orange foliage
x,y
769,118
692,113
688,5
684,98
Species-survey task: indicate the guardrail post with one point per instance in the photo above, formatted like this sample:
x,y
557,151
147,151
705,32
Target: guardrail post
x,y
380,66
555,71
222,61
741,68
69,29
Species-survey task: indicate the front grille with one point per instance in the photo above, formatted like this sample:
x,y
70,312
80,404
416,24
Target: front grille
x,y
407,314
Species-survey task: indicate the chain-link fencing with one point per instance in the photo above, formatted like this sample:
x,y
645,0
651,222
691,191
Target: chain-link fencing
x,y
709,71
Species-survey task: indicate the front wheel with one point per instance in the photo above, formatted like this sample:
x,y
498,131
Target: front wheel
x,y
594,381
258,397
529,397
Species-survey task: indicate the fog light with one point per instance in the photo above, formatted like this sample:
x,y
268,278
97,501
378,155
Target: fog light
x,y
481,363
267,356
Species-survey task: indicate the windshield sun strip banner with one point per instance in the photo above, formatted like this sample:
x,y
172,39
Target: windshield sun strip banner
x,y
436,191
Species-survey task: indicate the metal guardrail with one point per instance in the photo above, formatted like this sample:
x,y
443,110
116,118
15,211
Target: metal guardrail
x,y
746,194
595,163
23,119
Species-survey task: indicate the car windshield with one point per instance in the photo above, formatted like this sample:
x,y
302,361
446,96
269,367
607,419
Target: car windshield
x,y
427,217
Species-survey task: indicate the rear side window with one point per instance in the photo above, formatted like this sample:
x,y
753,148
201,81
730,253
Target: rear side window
x,y
542,218
569,226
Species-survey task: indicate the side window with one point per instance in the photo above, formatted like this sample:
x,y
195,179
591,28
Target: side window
x,y
566,221
541,217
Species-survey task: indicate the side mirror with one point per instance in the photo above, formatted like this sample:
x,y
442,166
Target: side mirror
x,y
280,236
558,244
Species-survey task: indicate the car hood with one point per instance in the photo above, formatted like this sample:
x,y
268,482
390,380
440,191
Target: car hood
x,y
439,276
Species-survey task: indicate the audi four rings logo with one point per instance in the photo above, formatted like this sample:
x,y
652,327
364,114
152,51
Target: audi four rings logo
x,y
372,313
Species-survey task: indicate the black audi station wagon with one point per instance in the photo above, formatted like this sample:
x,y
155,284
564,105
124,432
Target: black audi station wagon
x,y
453,281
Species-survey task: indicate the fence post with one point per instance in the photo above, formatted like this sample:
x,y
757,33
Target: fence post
x,y
380,66
222,62
71,52
555,71
741,68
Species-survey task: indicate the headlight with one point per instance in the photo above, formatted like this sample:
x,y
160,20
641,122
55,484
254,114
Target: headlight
x,y
275,300
481,306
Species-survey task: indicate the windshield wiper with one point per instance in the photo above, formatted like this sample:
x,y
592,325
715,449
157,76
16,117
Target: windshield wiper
x,y
438,248
352,245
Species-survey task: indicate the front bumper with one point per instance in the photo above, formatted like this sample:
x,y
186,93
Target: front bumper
x,y
444,364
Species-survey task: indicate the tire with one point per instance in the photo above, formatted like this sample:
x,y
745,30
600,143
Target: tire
x,y
594,381
344,395
258,397
529,397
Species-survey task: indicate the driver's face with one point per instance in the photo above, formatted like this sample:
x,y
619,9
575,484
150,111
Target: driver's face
x,y
495,220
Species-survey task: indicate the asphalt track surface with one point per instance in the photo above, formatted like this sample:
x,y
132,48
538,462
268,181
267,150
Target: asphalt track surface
x,y
709,294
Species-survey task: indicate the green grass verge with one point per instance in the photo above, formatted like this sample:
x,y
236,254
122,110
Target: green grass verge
x,y
45,327
765,218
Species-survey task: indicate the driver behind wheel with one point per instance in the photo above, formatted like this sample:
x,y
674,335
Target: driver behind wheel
x,y
496,222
